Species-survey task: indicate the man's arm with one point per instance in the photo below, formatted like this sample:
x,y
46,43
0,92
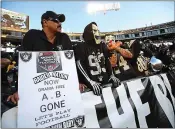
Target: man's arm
x,y
81,67
107,55
94,86
27,43
124,52
66,42
109,67
82,71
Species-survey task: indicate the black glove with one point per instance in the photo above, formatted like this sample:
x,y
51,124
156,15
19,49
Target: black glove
x,y
116,82
96,87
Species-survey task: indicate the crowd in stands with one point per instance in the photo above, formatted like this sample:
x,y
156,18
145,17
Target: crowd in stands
x,y
164,25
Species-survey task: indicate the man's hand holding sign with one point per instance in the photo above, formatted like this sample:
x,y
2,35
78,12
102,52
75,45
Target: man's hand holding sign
x,y
47,79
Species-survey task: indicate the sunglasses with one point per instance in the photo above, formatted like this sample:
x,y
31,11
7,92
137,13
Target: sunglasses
x,y
54,20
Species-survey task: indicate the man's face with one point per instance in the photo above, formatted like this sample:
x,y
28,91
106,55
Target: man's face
x,y
109,38
96,34
53,25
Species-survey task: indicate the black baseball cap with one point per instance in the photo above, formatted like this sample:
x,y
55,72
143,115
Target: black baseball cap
x,y
53,15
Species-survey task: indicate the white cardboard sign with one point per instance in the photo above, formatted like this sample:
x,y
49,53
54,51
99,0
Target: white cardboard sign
x,y
48,89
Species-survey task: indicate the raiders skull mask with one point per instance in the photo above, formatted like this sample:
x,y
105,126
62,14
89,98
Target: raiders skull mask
x,y
109,38
96,34
91,34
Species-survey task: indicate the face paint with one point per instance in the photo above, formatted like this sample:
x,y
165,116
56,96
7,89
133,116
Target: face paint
x,y
109,38
96,34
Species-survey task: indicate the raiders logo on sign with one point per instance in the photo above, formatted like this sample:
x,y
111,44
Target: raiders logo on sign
x,y
79,121
25,56
68,54
48,62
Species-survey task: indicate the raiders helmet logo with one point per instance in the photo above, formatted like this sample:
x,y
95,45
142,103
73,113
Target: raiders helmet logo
x,y
25,56
68,54
48,62
79,121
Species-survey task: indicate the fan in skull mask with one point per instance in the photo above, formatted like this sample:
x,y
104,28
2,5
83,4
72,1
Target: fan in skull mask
x,y
94,68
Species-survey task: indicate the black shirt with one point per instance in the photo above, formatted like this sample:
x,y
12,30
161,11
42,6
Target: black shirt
x,y
123,69
36,40
94,61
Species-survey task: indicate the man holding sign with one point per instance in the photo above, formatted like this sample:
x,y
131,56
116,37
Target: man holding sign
x,y
52,80
49,39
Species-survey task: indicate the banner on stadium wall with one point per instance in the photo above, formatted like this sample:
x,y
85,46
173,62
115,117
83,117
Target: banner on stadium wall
x,y
14,21
141,103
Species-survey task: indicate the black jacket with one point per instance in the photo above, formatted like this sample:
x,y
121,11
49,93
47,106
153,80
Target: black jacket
x,y
36,40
